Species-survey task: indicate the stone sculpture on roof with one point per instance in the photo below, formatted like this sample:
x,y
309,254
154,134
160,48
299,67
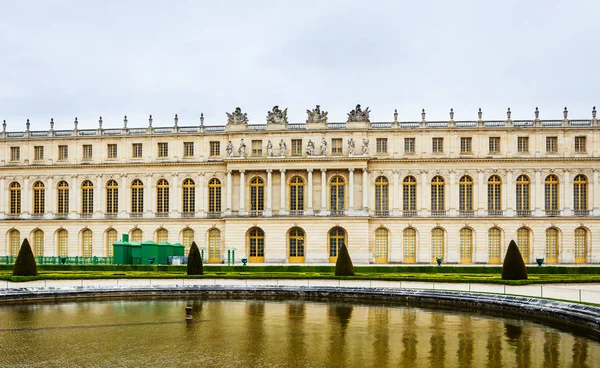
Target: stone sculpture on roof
x,y
277,116
359,115
316,115
310,148
237,117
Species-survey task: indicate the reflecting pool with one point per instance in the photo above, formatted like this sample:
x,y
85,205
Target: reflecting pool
x,y
254,333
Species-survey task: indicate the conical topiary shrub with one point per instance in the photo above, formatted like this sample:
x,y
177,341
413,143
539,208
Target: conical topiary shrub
x,y
25,264
194,264
343,265
513,267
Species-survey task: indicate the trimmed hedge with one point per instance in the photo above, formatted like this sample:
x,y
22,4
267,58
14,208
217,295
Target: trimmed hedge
x,y
513,267
194,264
25,264
343,264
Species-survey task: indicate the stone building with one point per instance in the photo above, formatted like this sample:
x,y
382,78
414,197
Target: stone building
x,y
395,192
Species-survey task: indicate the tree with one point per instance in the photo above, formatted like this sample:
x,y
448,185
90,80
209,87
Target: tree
x,y
513,267
194,264
25,264
343,265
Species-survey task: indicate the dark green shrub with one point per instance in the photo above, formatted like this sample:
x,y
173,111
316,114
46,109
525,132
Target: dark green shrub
x,y
194,264
513,267
343,265
25,264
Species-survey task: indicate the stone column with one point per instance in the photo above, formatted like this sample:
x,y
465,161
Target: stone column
x,y
452,195
26,196
595,194
323,192
481,198
74,193
99,194
3,196
242,210
175,200
351,191
537,194
309,193
282,193
124,197
269,211
365,189
425,190
200,197
50,198
229,192
508,194
150,194
396,193
567,194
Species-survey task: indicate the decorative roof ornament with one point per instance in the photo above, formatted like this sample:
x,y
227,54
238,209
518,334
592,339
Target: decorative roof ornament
x,y
594,112
451,114
277,116
565,113
75,124
202,119
4,126
100,123
316,115
479,114
150,121
423,115
395,115
508,113
359,115
125,122
51,123
27,124
537,113
237,117
175,121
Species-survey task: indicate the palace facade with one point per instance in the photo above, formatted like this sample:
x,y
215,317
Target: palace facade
x,y
280,192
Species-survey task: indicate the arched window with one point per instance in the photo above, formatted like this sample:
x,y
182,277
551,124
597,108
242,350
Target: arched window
x,y
437,195
38,243
581,245
296,245
337,188
214,195
15,198
580,184
337,236
465,194
523,195
62,194
494,194
494,241
551,194
63,243
137,197
256,245
382,189
187,236
523,243
409,194
14,238
189,196
257,196
136,236
214,246
296,195
111,238
162,198
437,244
381,245
551,245
466,245
87,198
410,245
39,198
162,235
86,242
112,198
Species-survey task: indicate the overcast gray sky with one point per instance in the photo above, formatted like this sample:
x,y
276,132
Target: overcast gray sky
x,y
63,59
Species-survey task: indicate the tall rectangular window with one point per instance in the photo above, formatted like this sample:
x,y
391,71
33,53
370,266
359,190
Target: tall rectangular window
x,y
580,144
38,153
336,146
523,144
494,144
215,148
188,149
551,144
409,145
136,150
296,147
63,152
437,145
87,151
112,150
466,145
15,153
163,149
381,145
257,148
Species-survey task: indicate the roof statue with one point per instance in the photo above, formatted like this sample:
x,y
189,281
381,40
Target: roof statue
x,y
276,116
316,115
358,114
237,117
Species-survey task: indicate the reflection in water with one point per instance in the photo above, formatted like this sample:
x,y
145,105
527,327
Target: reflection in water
x,y
272,334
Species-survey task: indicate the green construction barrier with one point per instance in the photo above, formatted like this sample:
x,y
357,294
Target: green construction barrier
x,y
136,253
165,249
178,249
121,251
149,252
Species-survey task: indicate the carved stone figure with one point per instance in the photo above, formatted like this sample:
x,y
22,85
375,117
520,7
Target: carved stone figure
x,y
351,146
323,147
358,114
316,115
269,149
282,148
229,149
237,117
242,149
310,148
365,146
277,116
